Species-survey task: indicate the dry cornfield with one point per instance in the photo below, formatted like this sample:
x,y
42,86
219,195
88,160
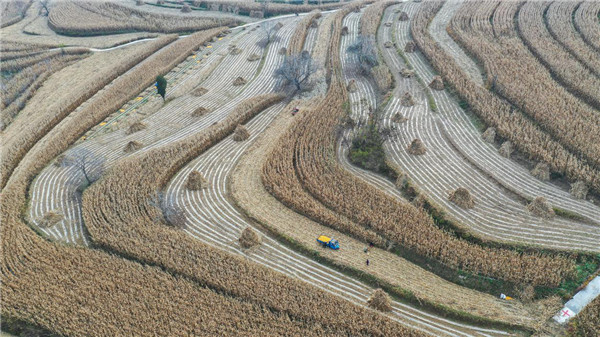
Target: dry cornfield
x,y
175,249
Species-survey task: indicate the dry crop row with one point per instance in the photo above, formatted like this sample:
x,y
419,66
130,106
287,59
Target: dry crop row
x,y
22,86
513,72
569,71
121,223
510,124
19,140
97,18
297,41
271,8
18,63
560,23
310,146
587,322
13,11
15,46
586,22
371,18
139,300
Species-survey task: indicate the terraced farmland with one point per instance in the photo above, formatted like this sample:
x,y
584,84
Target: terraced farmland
x,y
448,146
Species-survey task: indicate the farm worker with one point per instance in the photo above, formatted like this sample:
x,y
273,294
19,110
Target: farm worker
x,y
366,249
504,297
367,262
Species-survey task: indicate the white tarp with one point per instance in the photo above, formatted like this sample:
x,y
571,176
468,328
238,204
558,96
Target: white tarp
x,y
579,301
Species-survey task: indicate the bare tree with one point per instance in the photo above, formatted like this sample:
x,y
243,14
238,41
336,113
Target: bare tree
x,y
296,69
44,4
365,50
270,29
172,214
87,163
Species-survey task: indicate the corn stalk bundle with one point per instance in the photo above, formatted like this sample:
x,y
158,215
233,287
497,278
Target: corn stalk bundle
x,y
249,238
306,154
17,143
509,123
523,80
540,207
98,18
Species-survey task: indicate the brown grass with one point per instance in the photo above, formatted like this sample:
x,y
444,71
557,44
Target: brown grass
x,y
196,181
416,147
540,207
462,197
249,238
380,301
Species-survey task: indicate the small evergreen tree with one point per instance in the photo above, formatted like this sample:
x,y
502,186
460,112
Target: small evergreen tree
x,y
161,86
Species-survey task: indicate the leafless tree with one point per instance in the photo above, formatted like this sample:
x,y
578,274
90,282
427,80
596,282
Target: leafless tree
x,y
172,214
365,50
44,4
87,163
296,69
269,29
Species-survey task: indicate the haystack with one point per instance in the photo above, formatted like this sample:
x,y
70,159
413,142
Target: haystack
x,y
200,111
407,99
403,16
401,181
59,160
314,24
388,24
196,181
506,149
235,51
540,207
437,83
388,44
282,51
380,301
406,73
416,147
410,47
199,91
345,30
239,81
132,146
50,219
541,171
135,127
398,117
139,2
249,238
240,133
160,2
579,190
462,197
489,135
186,9
352,86
253,57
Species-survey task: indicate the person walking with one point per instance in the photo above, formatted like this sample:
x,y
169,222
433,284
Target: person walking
x,y
367,262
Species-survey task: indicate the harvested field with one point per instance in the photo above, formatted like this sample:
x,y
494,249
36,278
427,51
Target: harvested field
x,y
209,197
